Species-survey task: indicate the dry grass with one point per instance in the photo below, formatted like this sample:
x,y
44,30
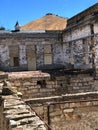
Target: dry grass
x,y
48,22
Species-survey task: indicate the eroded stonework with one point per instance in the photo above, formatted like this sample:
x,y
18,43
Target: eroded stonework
x,y
74,47
14,113
64,89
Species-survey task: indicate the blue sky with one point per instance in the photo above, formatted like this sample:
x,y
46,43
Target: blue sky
x,y
27,10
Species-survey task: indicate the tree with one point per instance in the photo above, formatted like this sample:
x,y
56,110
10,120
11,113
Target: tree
x,y
2,28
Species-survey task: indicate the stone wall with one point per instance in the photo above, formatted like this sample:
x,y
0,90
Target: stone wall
x,y
31,88
1,112
76,46
75,114
4,122
80,39
84,16
77,83
35,84
26,50
14,113
39,84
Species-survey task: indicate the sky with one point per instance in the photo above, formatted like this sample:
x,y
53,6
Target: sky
x,y
25,11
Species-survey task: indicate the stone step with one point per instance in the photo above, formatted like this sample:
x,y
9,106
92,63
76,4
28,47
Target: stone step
x,y
19,117
22,111
26,121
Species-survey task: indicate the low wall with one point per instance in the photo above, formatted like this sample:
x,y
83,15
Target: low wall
x,y
77,83
34,85
43,85
77,112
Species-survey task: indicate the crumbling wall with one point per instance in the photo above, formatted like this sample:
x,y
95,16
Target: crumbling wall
x,y
37,86
58,54
76,83
96,27
75,114
22,55
40,56
76,33
79,46
96,51
78,54
4,122
83,16
25,55
1,112
4,56
82,29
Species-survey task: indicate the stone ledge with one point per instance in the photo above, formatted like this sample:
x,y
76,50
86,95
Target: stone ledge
x,y
68,98
28,74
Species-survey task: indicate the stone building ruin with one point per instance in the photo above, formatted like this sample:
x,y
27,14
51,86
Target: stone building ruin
x,y
76,46
53,74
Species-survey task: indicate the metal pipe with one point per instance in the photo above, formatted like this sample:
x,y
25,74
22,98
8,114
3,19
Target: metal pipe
x,y
49,128
48,115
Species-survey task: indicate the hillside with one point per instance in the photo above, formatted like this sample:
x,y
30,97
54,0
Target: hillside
x,y
48,22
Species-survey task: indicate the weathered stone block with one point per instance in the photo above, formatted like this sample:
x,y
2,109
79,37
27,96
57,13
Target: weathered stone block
x,y
47,90
68,110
